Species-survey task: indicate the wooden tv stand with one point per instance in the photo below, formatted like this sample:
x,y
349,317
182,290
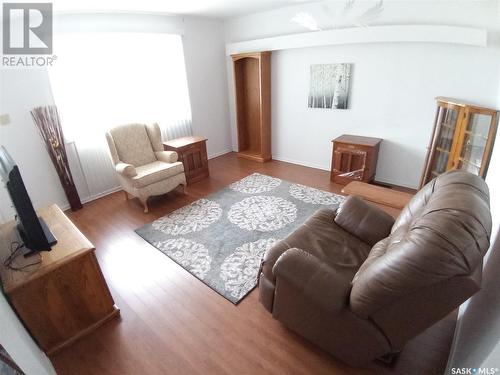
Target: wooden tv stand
x,y
65,296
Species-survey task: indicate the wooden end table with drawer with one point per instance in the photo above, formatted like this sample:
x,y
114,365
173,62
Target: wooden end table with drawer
x,y
354,158
192,153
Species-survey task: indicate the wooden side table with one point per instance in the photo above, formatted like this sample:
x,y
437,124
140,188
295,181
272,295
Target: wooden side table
x,y
65,296
192,153
354,158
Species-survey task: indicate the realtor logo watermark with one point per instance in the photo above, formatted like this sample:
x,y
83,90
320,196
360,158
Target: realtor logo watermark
x,y
474,370
27,34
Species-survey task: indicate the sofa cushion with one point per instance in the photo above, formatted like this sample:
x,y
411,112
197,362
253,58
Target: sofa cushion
x,y
154,172
324,239
133,145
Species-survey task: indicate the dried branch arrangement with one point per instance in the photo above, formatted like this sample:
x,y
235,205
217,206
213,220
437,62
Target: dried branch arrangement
x,y
48,122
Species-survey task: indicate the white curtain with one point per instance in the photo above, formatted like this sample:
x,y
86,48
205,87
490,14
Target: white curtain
x,y
101,80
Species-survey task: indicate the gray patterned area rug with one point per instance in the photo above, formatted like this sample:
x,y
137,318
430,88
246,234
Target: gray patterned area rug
x,y
221,238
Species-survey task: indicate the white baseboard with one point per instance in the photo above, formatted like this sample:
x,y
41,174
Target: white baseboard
x,y
65,207
305,164
220,153
226,151
327,168
118,188
402,184
100,195
94,197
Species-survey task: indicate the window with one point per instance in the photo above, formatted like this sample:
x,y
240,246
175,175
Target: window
x,y
101,80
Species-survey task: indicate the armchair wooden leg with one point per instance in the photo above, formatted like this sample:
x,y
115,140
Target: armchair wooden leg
x,y
126,195
184,189
144,202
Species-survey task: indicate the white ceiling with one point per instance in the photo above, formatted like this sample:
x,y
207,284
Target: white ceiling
x,y
206,8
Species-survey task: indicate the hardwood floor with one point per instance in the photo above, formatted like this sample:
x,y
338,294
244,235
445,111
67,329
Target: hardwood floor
x,y
171,323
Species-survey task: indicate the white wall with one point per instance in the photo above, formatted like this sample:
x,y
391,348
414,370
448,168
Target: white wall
x,y
19,344
203,41
392,97
206,71
392,89
23,90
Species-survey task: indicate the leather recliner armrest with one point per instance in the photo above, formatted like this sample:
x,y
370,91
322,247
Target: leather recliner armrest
x,y
365,221
317,281
125,169
167,156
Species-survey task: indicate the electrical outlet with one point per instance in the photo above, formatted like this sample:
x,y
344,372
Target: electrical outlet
x,y
4,119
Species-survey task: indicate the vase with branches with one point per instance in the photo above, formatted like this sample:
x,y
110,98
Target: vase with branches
x,y
49,124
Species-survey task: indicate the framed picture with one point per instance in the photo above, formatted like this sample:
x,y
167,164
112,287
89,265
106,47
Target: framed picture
x,y
329,87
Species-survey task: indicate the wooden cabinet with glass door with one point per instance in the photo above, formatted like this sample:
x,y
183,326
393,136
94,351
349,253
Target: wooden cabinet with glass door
x,y
462,138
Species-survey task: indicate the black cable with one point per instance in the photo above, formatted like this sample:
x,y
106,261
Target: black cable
x,y
14,253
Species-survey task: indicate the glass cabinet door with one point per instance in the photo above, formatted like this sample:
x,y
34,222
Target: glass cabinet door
x,y
474,144
462,138
447,123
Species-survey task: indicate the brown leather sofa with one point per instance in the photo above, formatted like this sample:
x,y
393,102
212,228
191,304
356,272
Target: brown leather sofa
x,y
360,285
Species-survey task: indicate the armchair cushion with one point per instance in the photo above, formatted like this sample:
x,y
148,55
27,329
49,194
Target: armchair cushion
x,y
125,169
324,239
154,172
154,134
363,220
167,156
322,284
132,144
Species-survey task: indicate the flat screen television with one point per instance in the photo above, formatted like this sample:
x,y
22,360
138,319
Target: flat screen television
x,y
33,231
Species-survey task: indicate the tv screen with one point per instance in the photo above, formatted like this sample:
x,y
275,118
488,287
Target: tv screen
x,y
32,229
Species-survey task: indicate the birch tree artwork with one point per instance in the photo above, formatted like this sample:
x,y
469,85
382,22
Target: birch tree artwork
x,y
329,87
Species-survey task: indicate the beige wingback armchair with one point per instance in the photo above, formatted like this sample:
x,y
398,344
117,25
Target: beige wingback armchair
x,y
143,167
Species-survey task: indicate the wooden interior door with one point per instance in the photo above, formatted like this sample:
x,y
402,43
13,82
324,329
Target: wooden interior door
x,y
252,77
247,79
